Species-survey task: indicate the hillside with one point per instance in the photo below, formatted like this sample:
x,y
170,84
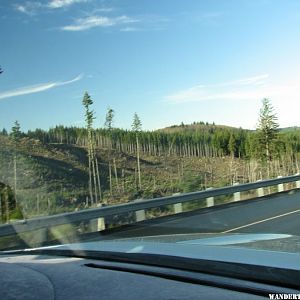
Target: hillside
x,y
196,126
45,174
52,178
50,168
290,129
207,127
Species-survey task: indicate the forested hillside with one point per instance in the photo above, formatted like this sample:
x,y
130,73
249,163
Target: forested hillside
x,y
69,168
181,141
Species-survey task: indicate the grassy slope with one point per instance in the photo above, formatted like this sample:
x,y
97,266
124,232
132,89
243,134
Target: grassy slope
x,y
43,172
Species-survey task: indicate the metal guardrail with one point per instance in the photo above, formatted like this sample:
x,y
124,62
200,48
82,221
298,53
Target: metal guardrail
x,y
140,205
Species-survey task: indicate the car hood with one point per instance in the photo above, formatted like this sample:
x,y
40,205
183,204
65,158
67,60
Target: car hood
x,y
273,250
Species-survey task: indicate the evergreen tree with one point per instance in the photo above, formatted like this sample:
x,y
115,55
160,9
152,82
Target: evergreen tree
x,y
267,131
109,118
136,124
137,127
94,178
109,126
232,145
89,114
4,132
16,133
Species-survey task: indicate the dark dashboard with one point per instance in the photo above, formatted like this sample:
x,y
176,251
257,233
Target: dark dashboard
x,y
56,277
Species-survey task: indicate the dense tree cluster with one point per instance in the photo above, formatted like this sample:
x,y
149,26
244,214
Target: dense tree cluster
x,y
206,141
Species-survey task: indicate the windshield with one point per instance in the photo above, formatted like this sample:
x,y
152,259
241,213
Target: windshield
x,y
169,123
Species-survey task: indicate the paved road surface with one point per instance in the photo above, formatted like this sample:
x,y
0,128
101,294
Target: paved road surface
x,y
271,214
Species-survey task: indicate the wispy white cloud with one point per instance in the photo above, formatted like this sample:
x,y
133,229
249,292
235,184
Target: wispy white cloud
x,y
98,21
237,102
255,87
97,17
21,8
37,88
89,22
28,7
255,80
63,3
32,7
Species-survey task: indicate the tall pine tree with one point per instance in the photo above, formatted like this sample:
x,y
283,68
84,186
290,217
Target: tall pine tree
x,y
137,127
267,132
16,135
109,119
94,177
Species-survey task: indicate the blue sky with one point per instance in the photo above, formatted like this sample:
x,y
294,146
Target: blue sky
x,y
170,61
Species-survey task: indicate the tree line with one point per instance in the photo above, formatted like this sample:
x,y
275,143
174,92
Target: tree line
x,y
201,141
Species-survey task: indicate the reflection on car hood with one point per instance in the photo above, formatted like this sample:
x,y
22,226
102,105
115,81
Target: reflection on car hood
x,y
264,241
263,249
233,239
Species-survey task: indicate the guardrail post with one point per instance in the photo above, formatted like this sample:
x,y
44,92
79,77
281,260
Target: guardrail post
x,y
260,191
140,214
101,224
97,224
280,186
237,195
298,182
177,206
210,201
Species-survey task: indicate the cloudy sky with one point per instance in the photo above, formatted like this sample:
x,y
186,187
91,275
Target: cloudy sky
x,y
170,61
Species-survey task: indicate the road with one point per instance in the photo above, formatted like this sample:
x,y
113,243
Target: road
x,y
279,213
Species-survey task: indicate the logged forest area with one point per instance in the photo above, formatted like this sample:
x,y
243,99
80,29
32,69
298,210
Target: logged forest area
x,y
70,168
